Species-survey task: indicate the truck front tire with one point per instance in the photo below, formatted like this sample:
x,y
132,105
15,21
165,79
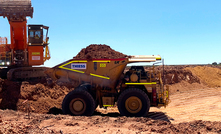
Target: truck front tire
x,y
133,102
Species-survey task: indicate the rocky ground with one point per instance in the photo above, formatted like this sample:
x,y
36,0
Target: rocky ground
x,y
19,122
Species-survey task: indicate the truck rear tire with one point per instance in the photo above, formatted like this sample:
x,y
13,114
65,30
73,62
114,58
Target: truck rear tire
x,y
133,102
78,102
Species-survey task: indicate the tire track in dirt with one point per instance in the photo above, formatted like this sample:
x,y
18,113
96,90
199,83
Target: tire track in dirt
x,y
202,104
158,116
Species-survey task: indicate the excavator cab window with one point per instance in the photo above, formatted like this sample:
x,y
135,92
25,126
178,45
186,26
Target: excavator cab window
x,y
35,34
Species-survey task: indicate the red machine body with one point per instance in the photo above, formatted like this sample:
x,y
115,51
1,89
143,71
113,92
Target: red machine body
x,y
27,48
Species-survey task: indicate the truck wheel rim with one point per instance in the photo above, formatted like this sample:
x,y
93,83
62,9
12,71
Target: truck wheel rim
x,y
77,106
133,104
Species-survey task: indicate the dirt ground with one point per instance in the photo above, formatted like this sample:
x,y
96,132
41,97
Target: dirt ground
x,y
196,111
195,107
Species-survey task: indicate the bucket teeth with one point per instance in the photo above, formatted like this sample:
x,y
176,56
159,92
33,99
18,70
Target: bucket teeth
x,y
16,9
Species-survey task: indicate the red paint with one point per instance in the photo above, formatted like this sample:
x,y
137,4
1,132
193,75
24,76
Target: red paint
x,y
154,95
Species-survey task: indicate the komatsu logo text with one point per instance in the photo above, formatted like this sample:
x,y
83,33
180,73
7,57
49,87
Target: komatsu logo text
x,y
78,66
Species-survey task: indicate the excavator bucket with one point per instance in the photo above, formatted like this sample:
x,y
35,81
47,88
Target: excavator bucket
x,y
16,9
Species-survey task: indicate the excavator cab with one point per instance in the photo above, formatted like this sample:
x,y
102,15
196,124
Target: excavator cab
x,y
36,36
37,44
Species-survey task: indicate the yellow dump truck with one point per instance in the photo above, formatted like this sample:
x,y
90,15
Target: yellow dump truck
x,y
104,82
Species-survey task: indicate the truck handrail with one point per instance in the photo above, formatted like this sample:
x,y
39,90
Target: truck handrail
x,y
143,58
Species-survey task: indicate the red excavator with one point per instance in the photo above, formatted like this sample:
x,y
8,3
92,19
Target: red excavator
x,y
26,49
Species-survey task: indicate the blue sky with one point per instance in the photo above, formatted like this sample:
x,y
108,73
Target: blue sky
x,y
181,31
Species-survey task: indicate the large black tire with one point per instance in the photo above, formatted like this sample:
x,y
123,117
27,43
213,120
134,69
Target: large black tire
x,y
133,102
78,102
86,87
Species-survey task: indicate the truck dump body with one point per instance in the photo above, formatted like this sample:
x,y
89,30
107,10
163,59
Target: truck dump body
x,y
103,72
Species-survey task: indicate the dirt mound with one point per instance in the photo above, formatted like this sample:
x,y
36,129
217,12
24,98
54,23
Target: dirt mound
x,y
39,98
95,51
176,74
185,86
208,75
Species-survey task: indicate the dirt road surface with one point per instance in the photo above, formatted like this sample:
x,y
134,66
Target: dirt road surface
x,y
198,104
194,111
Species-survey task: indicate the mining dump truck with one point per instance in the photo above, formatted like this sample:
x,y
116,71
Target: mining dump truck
x,y
103,82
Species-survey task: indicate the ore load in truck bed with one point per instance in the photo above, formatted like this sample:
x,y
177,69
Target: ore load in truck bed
x,y
99,51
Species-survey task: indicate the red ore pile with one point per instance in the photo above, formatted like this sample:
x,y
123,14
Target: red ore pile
x,y
99,51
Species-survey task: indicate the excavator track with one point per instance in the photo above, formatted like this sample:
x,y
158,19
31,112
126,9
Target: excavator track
x,y
26,73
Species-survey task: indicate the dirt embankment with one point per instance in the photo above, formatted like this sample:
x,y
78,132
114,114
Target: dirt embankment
x,y
208,75
178,78
176,74
184,78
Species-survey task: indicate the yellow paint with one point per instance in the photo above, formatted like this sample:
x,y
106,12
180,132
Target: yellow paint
x,y
102,65
72,62
167,94
62,66
35,53
71,69
47,55
108,105
141,83
99,76
158,58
